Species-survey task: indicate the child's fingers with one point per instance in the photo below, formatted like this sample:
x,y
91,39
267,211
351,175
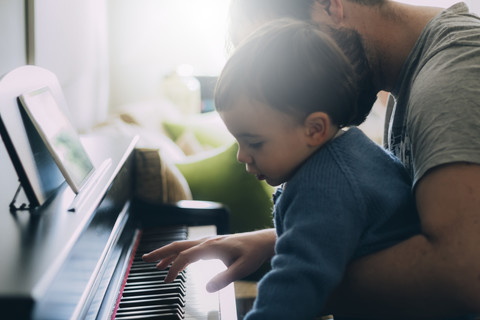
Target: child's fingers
x,y
169,250
165,262
234,272
186,257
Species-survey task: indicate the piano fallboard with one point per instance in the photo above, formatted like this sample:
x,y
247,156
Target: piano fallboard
x,y
35,245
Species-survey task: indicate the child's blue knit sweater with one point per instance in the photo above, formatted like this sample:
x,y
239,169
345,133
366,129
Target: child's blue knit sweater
x,y
349,199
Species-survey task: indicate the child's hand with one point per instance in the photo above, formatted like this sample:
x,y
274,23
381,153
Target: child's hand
x,y
241,253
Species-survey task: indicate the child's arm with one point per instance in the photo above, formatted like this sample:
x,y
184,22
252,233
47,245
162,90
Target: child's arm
x,y
319,239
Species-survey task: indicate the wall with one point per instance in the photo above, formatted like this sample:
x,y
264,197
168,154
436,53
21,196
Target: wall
x,y
150,38
12,35
12,55
70,40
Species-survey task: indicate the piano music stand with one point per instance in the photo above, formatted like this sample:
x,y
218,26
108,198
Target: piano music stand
x,y
37,172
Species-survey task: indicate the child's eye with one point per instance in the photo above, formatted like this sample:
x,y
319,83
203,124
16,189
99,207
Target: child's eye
x,y
256,145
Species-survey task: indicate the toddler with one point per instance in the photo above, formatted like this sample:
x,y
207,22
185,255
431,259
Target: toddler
x,y
287,94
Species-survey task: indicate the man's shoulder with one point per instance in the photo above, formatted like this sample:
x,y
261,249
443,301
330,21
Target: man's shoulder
x,y
454,28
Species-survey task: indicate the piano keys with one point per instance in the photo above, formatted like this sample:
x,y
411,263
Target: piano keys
x,y
146,296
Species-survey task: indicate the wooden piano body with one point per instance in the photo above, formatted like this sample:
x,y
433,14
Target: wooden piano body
x,y
61,264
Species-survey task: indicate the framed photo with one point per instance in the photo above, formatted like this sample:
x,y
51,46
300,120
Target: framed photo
x,y
59,136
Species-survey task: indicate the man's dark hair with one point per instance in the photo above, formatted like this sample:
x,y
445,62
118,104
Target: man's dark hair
x,y
252,11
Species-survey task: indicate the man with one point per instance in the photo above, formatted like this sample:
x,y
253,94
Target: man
x,y
429,60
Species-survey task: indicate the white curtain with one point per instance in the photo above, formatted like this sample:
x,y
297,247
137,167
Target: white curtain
x,y
71,41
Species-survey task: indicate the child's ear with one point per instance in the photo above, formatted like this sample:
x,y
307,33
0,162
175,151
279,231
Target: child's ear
x,y
317,128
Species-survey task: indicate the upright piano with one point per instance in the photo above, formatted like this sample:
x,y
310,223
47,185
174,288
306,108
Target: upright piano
x,y
85,263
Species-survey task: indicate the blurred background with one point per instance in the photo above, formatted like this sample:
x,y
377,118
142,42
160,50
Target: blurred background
x,y
108,53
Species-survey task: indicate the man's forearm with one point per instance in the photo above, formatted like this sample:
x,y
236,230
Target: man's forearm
x,y
397,281
434,274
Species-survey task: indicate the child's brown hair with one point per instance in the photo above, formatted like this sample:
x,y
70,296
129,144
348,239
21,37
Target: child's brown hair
x,y
296,68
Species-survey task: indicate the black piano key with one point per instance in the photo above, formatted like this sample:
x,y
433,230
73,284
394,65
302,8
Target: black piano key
x,y
160,310
156,312
174,295
148,291
140,272
143,284
125,310
128,312
151,300
138,265
160,316
148,273
153,277
179,287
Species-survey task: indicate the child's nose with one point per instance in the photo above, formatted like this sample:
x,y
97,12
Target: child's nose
x,y
242,156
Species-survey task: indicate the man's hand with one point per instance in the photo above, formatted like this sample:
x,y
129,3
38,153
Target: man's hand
x,y
242,253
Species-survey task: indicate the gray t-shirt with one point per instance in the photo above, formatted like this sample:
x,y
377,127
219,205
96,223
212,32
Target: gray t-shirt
x,y
436,117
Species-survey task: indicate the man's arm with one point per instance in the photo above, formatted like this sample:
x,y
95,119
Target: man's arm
x,y
433,274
